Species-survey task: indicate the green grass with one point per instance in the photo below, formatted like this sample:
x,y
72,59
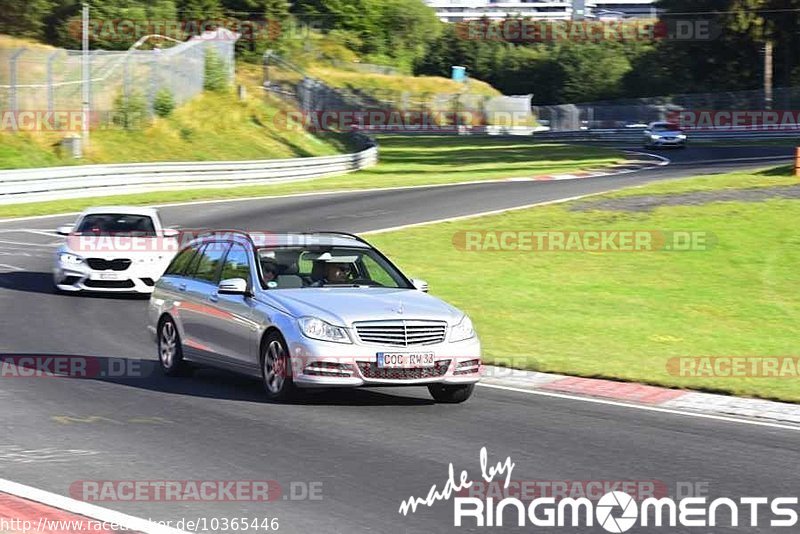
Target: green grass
x,y
210,127
405,161
768,177
624,315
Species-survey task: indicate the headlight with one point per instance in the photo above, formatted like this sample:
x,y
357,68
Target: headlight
x,y
654,137
462,330
70,259
681,136
319,329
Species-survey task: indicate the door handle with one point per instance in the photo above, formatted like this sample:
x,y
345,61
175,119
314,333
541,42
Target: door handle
x,y
182,287
213,297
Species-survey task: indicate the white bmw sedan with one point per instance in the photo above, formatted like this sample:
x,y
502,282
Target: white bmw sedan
x,y
114,248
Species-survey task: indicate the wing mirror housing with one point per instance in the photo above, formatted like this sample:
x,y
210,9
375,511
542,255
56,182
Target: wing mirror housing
x,y
64,230
233,286
420,284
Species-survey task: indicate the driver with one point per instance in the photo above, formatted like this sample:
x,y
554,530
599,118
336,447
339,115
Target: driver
x,y
337,273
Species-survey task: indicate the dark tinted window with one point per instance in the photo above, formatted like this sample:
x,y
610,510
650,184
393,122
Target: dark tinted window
x,y
181,261
209,261
236,264
117,224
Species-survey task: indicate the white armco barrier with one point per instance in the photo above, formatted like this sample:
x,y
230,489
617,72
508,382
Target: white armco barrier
x,y
51,183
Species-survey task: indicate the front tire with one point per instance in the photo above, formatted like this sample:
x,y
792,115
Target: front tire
x,y
170,350
276,366
451,394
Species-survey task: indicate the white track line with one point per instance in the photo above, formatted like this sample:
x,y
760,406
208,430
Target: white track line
x,y
671,411
85,509
11,267
482,214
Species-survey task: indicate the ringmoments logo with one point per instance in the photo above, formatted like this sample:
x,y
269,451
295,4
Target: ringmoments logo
x,y
615,511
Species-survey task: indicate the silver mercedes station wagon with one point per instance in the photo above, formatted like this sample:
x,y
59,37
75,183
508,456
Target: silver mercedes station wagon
x,y
303,310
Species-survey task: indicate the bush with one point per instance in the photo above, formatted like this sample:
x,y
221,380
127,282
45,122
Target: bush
x,y
216,72
164,103
130,113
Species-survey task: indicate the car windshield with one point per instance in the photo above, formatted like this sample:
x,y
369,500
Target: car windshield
x,y
326,266
118,224
666,128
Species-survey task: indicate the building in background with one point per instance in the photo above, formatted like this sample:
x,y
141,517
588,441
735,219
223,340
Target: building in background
x,y
461,10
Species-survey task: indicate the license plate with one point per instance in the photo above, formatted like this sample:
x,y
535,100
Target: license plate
x,y
109,276
405,360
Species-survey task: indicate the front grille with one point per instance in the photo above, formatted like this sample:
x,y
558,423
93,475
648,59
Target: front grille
x,y
109,284
371,370
402,333
99,264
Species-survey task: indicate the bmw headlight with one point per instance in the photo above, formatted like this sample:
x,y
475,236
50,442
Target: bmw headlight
x,y
70,259
681,136
319,329
654,137
463,330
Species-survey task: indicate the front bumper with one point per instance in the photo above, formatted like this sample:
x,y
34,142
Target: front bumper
x,y
324,364
134,279
668,141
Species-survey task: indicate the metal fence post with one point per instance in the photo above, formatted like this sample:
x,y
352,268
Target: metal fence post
x,y
51,97
13,103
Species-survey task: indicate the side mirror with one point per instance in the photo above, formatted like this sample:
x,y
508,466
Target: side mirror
x,y
420,285
233,286
647,132
64,230
170,232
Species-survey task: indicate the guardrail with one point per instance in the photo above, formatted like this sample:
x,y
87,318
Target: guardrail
x,y
32,185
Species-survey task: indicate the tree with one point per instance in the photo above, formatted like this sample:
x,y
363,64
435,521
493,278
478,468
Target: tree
x,y
24,18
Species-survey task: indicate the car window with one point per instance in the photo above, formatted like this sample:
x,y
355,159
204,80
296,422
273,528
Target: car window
x,y
237,264
118,224
181,261
377,273
324,266
208,264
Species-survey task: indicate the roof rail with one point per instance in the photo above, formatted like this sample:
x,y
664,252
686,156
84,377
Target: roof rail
x,y
343,234
226,231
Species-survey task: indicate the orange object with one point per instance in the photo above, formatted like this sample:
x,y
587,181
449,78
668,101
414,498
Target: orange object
x,y
797,161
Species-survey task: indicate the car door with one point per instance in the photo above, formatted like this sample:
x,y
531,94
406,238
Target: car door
x,y
232,328
196,312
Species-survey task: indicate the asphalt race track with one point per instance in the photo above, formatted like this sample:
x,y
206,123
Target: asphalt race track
x,y
370,449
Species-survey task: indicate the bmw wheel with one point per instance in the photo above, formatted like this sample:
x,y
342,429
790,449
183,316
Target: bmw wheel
x,y
450,394
276,368
170,351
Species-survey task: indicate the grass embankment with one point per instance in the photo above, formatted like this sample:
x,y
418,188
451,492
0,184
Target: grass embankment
x,y
404,161
415,85
625,315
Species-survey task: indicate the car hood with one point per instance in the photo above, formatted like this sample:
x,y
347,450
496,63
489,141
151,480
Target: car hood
x,y
344,306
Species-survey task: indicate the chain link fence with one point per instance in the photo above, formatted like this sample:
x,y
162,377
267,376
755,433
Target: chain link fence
x,y
396,110
50,80
640,111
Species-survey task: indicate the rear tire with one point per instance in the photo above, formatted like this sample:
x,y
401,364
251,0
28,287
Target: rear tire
x,y
170,350
276,369
451,394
